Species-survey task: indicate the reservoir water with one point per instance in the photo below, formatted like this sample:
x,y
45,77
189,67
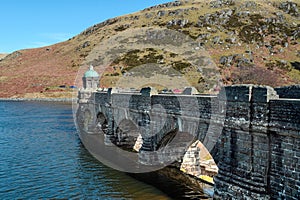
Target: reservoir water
x,y
41,157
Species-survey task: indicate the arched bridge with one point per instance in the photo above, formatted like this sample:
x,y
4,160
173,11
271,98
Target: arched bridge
x,y
252,132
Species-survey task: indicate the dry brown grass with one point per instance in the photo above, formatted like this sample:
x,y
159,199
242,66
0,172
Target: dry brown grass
x,y
34,70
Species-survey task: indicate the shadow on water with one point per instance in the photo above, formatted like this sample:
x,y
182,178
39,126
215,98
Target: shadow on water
x,y
42,157
114,184
137,186
173,183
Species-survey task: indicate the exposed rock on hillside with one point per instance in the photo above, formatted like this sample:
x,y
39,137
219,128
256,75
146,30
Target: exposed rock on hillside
x,y
290,8
247,42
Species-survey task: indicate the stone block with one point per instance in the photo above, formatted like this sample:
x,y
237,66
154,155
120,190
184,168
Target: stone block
x,y
236,93
290,92
259,137
263,94
148,91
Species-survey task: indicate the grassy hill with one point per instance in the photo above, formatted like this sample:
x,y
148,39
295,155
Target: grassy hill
x,y
247,42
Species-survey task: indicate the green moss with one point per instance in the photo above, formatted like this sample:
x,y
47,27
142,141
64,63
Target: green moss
x,y
150,49
295,75
256,17
249,34
130,59
151,58
278,64
121,28
180,66
115,74
186,32
173,55
201,80
134,58
234,22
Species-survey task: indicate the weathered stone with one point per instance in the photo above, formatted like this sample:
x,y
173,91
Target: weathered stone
x,y
178,22
220,3
216,39
148,15
291,92
190,91
161,13
148,91
290,8
255,145
86,44
263,94
227,60
250,4
231,40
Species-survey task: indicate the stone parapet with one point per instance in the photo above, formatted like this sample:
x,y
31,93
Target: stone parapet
x,y
252,132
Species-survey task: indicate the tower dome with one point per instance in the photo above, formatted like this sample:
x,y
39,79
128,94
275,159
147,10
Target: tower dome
x,y
90,79
91,73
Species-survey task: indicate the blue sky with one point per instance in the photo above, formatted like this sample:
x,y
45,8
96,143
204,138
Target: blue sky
x,y
34,23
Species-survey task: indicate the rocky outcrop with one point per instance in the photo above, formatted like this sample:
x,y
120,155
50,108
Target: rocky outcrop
x,y
290,8
217,18
100,25
223,28
166,5
237,59
221,3
178,22
13,55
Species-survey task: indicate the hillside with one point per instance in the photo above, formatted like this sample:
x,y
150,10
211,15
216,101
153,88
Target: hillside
x,y
2,55
248,42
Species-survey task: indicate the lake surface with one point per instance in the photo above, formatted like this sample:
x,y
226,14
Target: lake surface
x,y
41,156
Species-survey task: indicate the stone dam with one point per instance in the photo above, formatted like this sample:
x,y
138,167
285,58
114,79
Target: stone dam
x,y
252,133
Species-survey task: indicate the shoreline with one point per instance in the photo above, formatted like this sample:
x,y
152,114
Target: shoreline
x,y
68,100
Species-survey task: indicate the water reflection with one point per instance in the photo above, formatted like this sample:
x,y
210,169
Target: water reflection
x,y
115,184
42,157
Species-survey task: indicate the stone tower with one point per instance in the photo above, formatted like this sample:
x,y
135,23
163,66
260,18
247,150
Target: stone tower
x,y
90,79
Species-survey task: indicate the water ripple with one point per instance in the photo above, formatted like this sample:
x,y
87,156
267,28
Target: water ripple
x,y
42,157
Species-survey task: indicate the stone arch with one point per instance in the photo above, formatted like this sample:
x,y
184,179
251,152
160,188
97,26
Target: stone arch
x,y
199,162
102,123
166,139
165,132
188,139
127,134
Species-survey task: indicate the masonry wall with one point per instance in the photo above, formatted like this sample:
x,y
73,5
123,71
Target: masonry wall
x,y
241,174
252,133
289,92
260,146
285,149
102,98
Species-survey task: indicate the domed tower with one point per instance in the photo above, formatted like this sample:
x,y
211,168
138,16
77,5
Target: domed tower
x,y
90,79
86,109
